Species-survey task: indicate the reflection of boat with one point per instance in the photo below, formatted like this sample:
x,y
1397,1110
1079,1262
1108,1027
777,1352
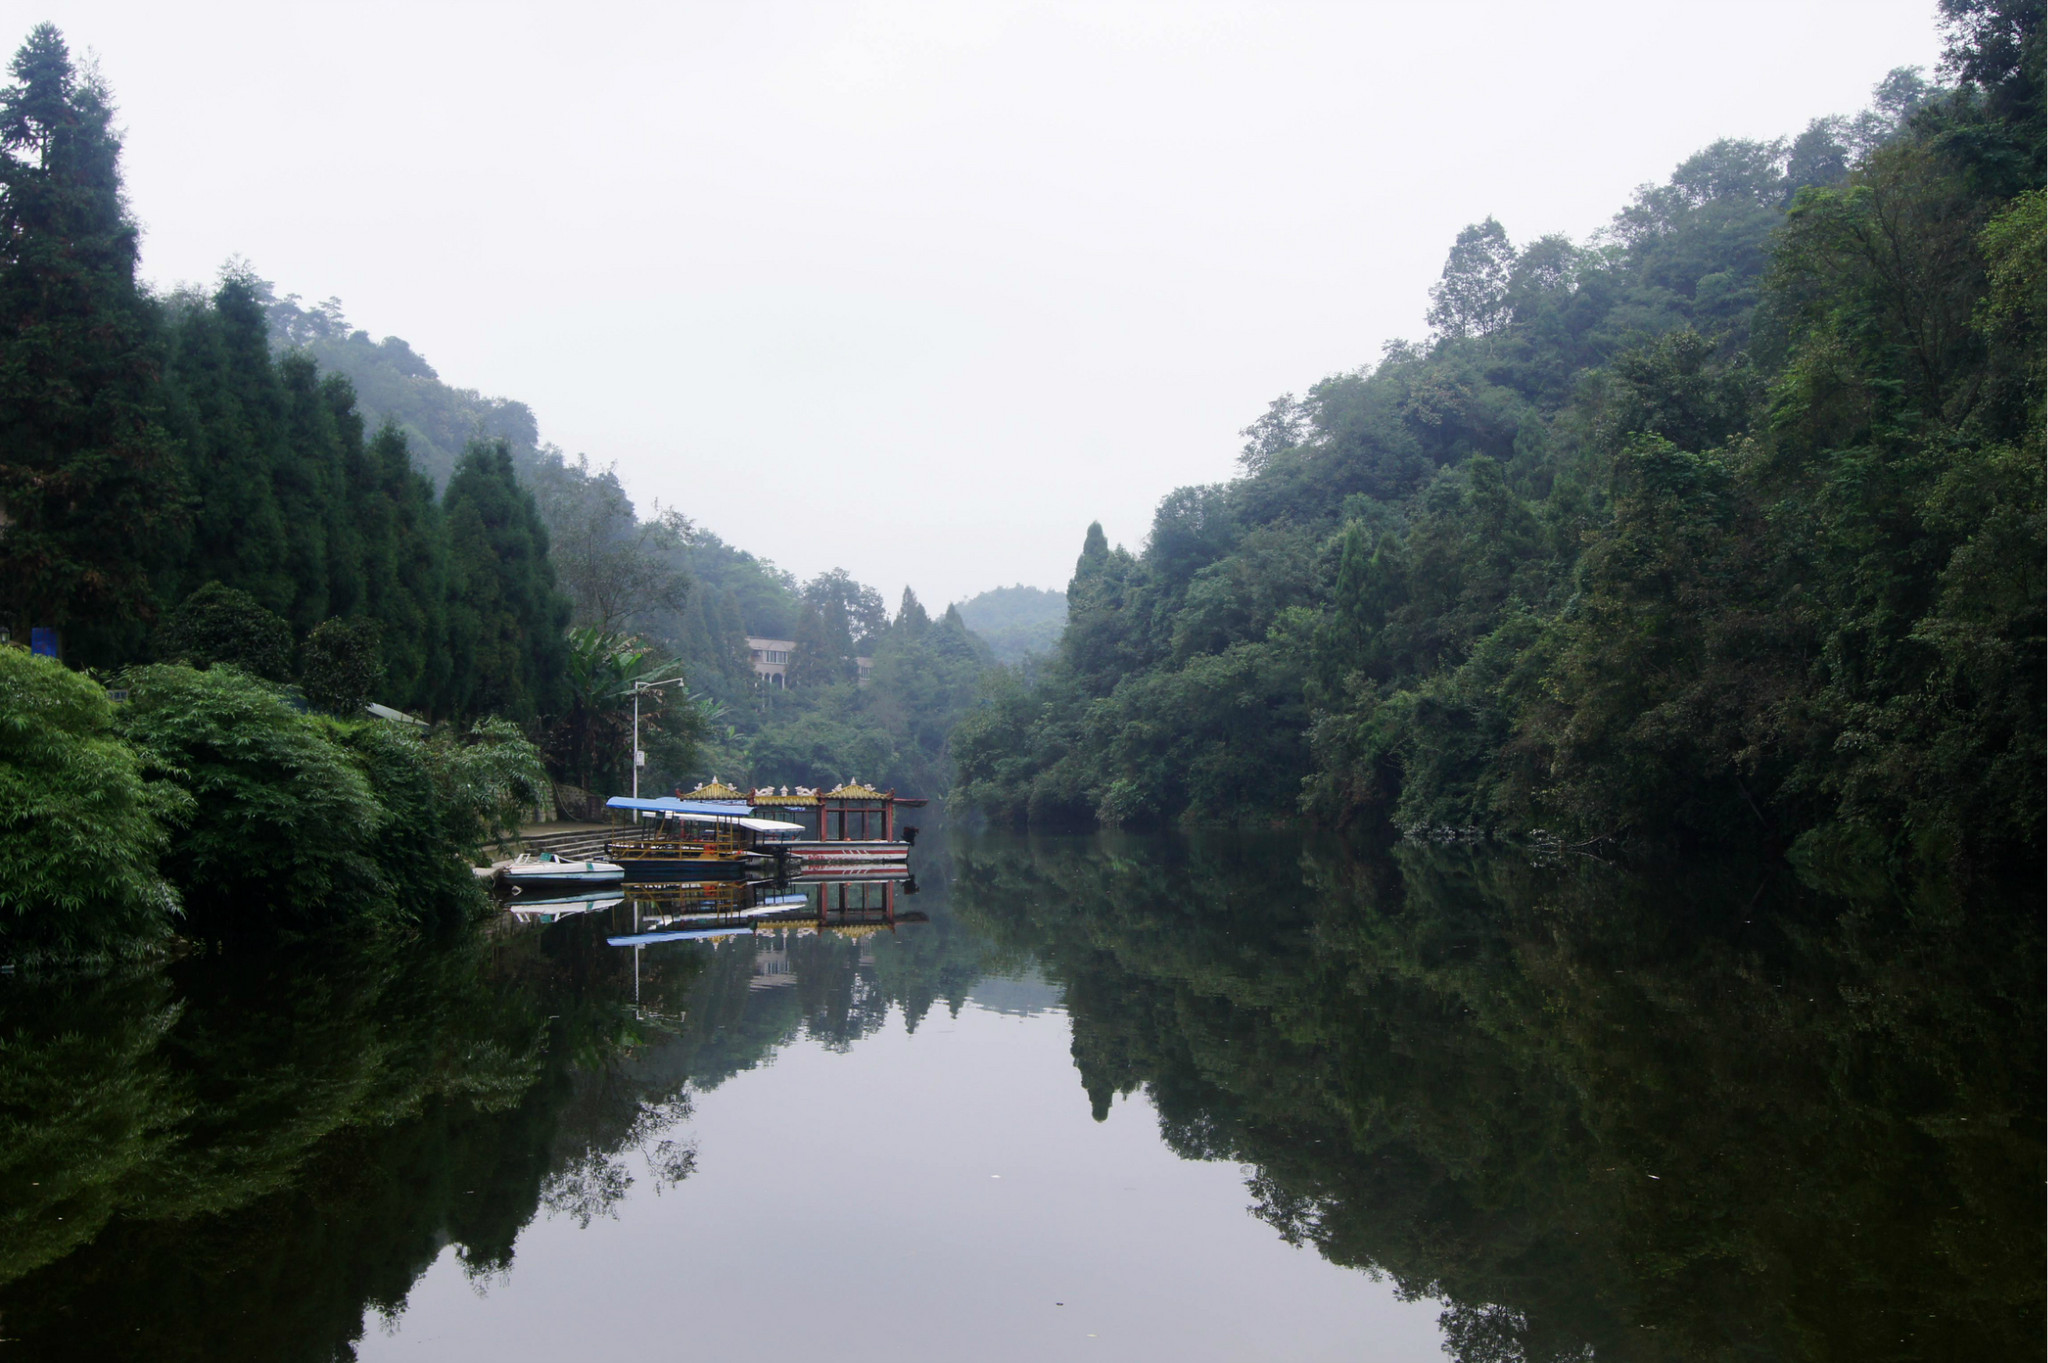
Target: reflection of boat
x,y
768,907
548,910
834,874
648,939
694,910
834,858
545,871
667,898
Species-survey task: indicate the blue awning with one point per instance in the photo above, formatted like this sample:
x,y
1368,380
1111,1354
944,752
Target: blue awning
x,y
648,939
669,804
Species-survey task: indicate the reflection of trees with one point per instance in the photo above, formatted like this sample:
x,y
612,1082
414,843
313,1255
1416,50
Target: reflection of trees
x,y
1675,1116
1453,1068
292,1140
86,1106
236,1157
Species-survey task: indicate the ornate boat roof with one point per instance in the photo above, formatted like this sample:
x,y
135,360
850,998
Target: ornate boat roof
x,y
854,790
715,789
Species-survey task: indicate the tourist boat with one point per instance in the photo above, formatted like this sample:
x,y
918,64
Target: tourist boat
x,y
672,839
857,828
545,872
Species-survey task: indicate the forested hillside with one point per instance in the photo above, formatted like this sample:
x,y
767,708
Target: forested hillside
x,y
230,478
1726,524
394,383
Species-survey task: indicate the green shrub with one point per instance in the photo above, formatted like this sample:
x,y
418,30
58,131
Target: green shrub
x,y
344,665
441,800
80,829
218,624
281,815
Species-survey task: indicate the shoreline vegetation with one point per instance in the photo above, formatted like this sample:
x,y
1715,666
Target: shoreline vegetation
x,y
232,508
207,802
1722,528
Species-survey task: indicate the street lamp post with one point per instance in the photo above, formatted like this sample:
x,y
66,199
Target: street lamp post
x,y
638,756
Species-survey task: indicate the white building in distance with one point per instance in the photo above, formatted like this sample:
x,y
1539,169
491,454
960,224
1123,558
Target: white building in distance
x,y
771,661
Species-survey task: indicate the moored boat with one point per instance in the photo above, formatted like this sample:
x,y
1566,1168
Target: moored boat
x,y
672,839
547,873
856,826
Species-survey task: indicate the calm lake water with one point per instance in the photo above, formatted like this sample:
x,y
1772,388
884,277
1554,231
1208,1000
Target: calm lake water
x,y
1091,1098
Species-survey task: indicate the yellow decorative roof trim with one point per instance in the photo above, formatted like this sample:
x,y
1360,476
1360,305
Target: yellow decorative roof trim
x,y
715,789
854,790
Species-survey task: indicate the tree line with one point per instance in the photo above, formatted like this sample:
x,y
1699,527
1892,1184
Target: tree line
x,y
1724,525
157,448
658,596
228,477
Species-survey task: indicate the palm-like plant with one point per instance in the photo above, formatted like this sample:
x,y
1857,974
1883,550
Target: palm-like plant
x,y
591,738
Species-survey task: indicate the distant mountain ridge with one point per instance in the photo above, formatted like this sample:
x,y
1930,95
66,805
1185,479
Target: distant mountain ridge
x,y
1017,622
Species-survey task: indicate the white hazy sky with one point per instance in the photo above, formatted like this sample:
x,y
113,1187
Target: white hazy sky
x,y
919,289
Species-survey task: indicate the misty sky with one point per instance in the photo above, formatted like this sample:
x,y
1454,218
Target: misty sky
x,y
919,290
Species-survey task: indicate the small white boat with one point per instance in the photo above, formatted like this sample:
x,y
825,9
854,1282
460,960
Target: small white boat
x,y
545,869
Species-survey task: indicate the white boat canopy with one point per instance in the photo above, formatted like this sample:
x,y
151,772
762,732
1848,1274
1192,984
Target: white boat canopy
x,y
771,826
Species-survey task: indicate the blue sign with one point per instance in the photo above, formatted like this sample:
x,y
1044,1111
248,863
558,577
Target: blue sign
x,y
42,639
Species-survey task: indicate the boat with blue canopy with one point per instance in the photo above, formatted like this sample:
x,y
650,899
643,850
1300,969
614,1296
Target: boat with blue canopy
x,y
677,839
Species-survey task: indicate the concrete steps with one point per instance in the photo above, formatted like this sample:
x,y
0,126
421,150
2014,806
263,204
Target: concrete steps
x,y
584,843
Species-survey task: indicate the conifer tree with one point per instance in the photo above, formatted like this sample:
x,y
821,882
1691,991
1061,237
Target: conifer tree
x,y
322,431
506,617
86,474
230,411
818,658
405,572
911,617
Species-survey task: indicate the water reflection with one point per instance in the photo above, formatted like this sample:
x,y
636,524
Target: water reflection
x,y
242,1154
1695,1114
1704,1113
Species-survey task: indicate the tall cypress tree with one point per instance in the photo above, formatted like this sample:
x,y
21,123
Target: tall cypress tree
x,y
309,479
405,572
356,482
506,616
230,410
86,472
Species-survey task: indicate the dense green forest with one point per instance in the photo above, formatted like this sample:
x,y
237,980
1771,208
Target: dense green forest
x,y
1725,525
156,448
